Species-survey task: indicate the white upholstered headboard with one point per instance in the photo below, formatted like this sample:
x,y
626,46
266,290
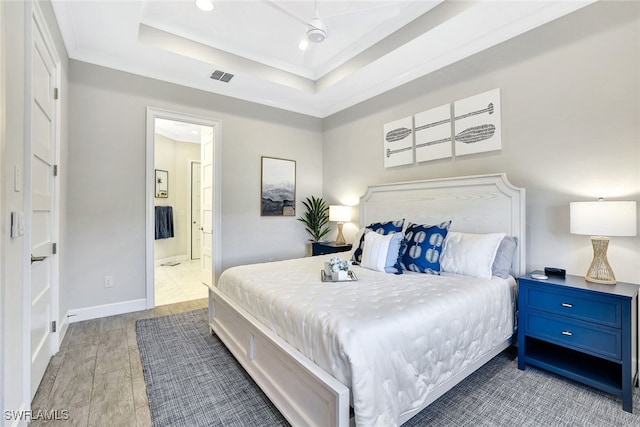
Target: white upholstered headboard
x,y
474,204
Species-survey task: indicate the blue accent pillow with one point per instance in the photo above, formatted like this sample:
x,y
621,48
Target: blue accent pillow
x,y
388,227
383,228
424,247
504,257
397,247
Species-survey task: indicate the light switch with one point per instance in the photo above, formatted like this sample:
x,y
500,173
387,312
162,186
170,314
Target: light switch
x,y
17,224
17,178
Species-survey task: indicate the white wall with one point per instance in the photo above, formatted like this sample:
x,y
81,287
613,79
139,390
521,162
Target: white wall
x,y
3,212
174,156
14,201
570,129
106,210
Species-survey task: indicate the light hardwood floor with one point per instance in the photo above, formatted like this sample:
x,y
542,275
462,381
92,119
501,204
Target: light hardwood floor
x,y
97,374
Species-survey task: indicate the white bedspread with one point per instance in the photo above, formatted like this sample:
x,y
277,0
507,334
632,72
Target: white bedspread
x,y
389,338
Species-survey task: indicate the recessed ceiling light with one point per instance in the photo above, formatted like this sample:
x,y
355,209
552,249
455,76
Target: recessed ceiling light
x,y
206,5
303,44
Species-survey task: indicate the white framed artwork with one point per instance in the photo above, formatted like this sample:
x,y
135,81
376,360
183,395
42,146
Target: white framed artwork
x,y
432,134
477,124
398,142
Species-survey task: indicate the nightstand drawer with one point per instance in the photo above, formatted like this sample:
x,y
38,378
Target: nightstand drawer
x,y
575,334
601,310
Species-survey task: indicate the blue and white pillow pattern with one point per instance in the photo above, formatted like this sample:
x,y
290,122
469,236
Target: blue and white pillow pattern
x,y
383,228
424,247
382,252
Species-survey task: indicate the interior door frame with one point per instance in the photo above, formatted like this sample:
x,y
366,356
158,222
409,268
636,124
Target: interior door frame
x,y
190,164
159,113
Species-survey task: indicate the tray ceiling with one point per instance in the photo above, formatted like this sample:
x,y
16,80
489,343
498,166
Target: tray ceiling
x,y
371,45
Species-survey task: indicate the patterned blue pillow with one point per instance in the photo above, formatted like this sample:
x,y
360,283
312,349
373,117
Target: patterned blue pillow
x,y
424,247
383,228
388,227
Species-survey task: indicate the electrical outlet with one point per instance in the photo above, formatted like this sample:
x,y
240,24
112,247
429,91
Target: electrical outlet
x,y
108,281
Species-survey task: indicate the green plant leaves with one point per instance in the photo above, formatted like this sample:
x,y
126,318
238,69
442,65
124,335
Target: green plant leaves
x,y
316,217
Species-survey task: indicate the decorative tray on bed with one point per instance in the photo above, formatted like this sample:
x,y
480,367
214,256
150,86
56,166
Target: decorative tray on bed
x,y
351,277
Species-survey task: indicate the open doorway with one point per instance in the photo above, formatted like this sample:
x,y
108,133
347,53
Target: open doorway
x,y
183,219
177,204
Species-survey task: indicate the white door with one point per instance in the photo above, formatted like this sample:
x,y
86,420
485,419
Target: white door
x,y
43,205
206,206
196,189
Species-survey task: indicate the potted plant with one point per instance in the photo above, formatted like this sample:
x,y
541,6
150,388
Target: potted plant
x,y
316,218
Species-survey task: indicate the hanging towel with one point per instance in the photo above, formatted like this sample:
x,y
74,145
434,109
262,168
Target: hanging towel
x,y
164,222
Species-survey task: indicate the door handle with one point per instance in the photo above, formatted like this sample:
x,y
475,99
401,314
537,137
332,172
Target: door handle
x,y
37,258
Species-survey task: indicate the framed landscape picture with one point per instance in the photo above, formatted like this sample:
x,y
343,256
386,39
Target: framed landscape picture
x,y
278,187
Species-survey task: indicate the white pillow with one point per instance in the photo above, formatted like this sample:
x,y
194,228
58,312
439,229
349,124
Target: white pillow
x,y
375,250
470,254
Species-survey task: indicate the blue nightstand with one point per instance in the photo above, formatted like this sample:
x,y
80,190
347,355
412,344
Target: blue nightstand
x,y
581,330
323,248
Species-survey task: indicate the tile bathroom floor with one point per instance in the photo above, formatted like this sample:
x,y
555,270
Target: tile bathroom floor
x,y
179,283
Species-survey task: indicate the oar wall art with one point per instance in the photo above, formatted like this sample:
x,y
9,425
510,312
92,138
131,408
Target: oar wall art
x,y
472,125
433,134
398,142
477,123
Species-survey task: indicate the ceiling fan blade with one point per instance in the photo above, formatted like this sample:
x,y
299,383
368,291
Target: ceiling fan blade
x,y
285,11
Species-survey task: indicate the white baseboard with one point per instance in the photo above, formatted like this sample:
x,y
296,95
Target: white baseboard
x,y
177,258
97,311
62,329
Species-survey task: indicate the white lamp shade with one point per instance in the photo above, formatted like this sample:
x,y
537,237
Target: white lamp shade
x,y
603,218
339,213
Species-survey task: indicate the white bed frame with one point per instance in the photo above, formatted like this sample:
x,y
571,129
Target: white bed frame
x,y
302,391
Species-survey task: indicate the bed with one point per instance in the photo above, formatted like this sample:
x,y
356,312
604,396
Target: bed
x,y
387,345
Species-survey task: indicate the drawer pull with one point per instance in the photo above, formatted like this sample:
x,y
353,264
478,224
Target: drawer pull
x,y
566,304
567,333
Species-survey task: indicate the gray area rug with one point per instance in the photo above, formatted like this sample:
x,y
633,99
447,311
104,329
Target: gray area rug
x,y
193,380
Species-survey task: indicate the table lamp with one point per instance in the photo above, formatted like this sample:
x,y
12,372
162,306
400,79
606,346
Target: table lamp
x,y
599,219
340,214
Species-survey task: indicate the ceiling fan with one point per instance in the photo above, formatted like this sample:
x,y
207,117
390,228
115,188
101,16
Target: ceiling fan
x,y
316,28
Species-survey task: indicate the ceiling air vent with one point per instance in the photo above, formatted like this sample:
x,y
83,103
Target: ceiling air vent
x,y
222,76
